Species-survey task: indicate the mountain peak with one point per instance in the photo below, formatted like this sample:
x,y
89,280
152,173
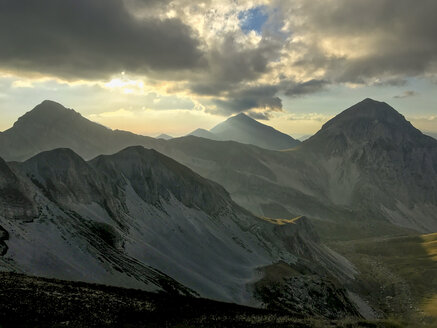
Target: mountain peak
x,y
370,122
244,129
243,118
164,136
371,110
57,158
46,112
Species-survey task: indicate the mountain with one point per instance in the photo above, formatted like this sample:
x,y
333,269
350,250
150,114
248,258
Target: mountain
x,y
246,130
377,162
50,125
139,219
366,150
367,171
164,136
202,133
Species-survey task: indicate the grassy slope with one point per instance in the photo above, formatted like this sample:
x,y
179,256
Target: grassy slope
x,y
398,274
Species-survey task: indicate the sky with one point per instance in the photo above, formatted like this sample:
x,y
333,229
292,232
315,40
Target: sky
x,y
162,66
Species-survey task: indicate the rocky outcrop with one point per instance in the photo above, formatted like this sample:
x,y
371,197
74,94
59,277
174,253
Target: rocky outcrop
x,y
307,294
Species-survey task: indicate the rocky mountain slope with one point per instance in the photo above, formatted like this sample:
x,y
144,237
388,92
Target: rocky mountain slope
x,y
378,163
242,128
139,219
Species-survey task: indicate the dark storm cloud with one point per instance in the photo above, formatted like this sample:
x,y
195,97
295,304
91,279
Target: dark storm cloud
x,y
260,97
90,39
230,64
398,38
308,87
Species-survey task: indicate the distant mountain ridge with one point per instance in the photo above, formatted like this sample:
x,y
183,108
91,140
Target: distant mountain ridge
x,y
242,128
164,136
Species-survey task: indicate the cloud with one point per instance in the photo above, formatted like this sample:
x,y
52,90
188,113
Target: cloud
x,y
82,39
309,117
259,115
308,87
263,98
226,56
406,94
117,113
366,40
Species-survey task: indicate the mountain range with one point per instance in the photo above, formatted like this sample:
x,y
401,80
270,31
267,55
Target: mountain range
x,y
368,161
213,218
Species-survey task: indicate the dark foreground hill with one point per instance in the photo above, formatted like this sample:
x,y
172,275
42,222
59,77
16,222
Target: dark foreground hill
x,y
38,302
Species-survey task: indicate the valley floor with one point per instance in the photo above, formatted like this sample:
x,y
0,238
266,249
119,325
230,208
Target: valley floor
x,y
39,302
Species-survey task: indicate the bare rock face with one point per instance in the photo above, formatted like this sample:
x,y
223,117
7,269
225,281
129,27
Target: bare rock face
x,y
155,176
15,202
387,167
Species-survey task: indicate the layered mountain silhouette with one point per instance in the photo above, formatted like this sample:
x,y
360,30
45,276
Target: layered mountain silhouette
x,y
139,219
245,129
367,163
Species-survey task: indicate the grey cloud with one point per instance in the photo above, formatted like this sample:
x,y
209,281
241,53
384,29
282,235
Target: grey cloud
x,y
259,115
230,64
406,94
308,87
400,37
83,39
260,97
